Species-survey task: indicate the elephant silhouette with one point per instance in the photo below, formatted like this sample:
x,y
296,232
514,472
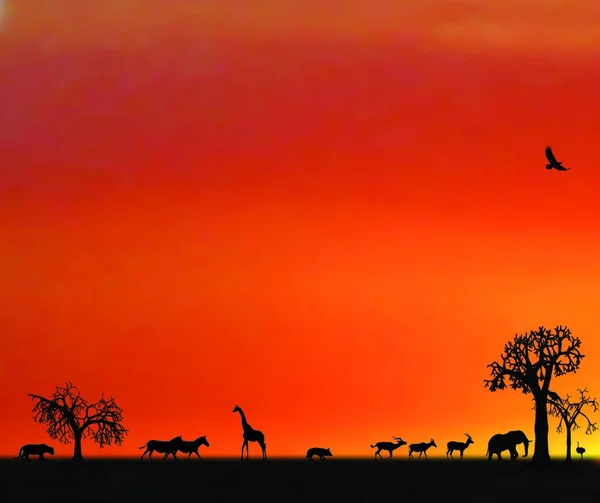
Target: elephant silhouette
x,y
507,441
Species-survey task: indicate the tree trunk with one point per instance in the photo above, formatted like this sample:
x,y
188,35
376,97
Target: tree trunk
x,y
568,428
77,456
541,453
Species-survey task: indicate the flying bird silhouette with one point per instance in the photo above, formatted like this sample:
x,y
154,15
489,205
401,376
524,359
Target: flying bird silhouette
x,y
554,164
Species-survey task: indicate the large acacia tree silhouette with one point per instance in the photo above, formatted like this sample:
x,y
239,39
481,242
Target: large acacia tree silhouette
x,y
70,417
529,362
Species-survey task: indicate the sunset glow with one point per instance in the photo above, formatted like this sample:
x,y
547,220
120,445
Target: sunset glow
x,y
333,214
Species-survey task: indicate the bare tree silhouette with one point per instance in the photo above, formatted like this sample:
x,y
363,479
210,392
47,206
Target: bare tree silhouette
x,y
70,418
568,411
529,362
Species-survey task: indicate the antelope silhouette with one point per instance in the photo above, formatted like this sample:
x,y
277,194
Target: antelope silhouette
x,y
421,448
388,446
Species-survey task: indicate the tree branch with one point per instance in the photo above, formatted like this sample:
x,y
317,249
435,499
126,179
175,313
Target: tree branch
x,y
531,360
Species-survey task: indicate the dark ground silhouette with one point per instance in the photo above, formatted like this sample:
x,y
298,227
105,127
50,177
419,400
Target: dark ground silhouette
x,y
104,481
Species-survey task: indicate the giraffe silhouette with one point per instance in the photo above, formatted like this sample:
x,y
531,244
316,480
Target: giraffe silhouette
x,y
251,435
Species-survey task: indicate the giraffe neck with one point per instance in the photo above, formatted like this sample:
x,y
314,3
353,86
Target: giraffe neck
x,y
245,424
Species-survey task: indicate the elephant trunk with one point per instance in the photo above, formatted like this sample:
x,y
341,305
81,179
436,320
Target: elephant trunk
x,y
526,444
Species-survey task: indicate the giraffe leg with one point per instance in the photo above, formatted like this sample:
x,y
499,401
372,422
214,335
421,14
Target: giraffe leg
x,y
263,447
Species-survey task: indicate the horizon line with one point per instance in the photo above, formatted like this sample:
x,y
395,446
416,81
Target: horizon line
x,y
293,458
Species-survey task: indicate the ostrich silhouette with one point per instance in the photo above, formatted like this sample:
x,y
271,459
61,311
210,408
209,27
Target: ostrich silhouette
x,y
580,450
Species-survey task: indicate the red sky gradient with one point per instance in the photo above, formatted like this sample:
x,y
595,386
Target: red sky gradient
x,y
334,216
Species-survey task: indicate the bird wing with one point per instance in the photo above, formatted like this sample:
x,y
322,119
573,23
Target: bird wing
x,y
550,156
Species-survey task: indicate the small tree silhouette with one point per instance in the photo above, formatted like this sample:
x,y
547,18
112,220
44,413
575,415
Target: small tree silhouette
x,y
69,417
568,411
529,362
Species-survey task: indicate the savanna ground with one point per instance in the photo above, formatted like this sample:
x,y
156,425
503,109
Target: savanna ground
x,y
124,480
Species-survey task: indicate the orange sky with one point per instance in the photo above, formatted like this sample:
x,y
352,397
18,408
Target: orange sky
x,y
332,215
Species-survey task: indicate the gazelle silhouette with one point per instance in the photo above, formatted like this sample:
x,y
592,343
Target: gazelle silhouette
x,y
251,435
453,445
388,446
421,448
